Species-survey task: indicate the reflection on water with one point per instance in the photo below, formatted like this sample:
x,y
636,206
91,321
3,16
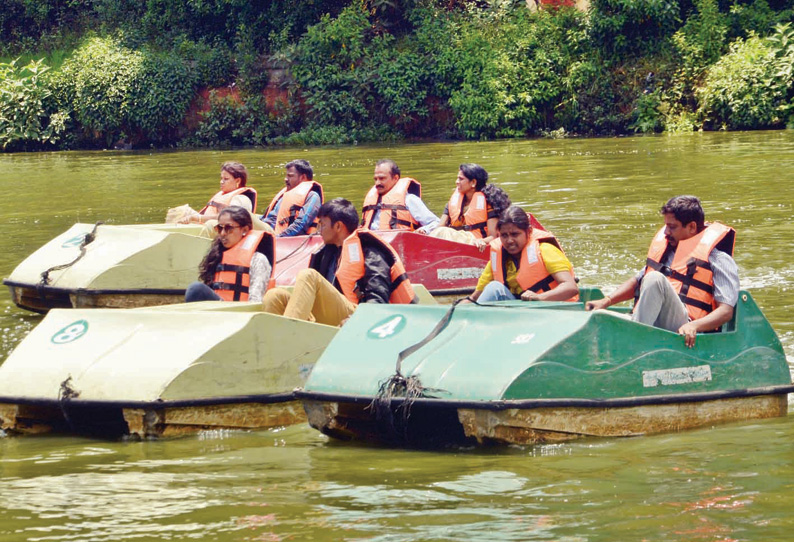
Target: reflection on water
x,y
714,484
601,197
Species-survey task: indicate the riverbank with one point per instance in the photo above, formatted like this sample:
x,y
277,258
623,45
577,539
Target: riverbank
x,y
169,75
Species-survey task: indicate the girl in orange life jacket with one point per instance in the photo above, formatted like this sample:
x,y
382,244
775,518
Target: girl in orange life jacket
x,y
233,191
238,266
525,264
471,214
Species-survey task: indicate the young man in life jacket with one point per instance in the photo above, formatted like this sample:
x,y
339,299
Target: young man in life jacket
x,y
294,209
690,283
395,203
353,266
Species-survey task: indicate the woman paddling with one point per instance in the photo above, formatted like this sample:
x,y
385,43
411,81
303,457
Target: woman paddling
x,y
239,264
526,263
233,191
471,214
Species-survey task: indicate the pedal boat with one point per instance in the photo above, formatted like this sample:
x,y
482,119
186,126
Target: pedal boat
x,y
524,373
159,371
152,264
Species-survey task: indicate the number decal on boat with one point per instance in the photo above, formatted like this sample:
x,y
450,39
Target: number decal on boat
x,y
387,328
74,241
70,333
523,339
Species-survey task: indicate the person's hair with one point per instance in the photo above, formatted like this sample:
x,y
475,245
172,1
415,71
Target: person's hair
x,y
496,198
393,168
236,170
303,167
514,215
340,210
685,209
214,256
476,173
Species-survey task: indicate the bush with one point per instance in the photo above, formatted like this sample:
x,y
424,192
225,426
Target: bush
x,y
622,28
117,93
737,93
231,121
24,119
518,73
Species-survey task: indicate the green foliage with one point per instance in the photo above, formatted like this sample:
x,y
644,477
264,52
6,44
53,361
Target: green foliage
x,y
231,121
517,73
116,92
160,96
737,93
647,118
339,93
213,65
24,119
622,28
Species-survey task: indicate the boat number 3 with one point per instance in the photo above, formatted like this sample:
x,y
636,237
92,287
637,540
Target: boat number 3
x,y
70,333
387,328
74,241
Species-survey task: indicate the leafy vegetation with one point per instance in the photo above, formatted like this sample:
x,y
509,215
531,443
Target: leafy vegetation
x,y
125,72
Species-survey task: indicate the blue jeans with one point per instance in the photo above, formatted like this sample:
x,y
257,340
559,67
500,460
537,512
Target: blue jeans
x,y
198,291
495,291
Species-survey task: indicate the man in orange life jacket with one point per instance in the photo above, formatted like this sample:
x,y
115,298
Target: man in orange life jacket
x,y
395,203
690,282
294,209
353,266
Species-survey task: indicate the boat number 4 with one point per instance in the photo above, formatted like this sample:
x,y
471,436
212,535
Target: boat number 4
x,y
387,328
70,333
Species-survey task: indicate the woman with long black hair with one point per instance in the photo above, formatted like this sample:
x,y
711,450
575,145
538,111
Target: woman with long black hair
x,y
239,264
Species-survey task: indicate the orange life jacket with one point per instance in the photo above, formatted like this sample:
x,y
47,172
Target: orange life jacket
x,y
394,215
232,275
532,273
292,201
220,201
475,219
351,269
690,272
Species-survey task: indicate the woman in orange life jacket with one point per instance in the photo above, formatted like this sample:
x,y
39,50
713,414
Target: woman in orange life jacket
x,y
471,214
238,266
525,264
233,191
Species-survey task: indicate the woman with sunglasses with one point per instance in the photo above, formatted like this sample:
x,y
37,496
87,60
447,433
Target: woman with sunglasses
x,y
239,264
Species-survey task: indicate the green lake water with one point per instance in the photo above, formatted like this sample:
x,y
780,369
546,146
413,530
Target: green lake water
x,y
599,196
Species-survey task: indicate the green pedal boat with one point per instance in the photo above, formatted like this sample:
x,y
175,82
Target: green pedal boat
x,y
522,373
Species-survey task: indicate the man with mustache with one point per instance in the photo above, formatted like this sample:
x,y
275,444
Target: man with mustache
x,y
690,282
395,203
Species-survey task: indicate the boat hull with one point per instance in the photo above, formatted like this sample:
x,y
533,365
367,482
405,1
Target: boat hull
x,y
159,371
521,373
431,425
148,265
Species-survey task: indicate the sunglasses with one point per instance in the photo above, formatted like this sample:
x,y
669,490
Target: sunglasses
x,y
225,228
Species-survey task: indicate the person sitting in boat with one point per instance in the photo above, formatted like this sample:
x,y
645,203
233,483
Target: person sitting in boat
x,y
239,264
690,282
353,266
471,214
233,191
526,263
294,209
395,203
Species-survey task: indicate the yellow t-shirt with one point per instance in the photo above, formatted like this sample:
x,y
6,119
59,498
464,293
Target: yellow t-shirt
x,y
553,258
